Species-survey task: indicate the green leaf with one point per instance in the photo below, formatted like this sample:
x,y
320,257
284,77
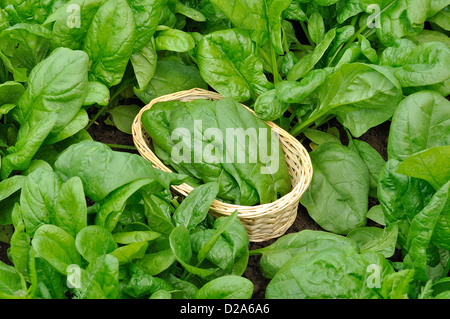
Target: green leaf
x,y
54,95
141,284
112,206
144,63
25,45
316,27
130,237
296,91
11,185
71,22
195,206
104,271
307,63
155,263
224,245
10,92
71,208
11,285
109,55
421,121
376,214
56,246
103,170
97,94
20,250
337,198
123,116
284,248
425,65
226,287
320,137
432,165
94,241
378,96
227,62
147,14
373,161
329,273
260,17
421,231
442,19
171,76
126,254
376,239
38,199
269,107
174,40
401,197
182,250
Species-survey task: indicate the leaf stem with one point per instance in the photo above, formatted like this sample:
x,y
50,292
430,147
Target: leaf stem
x,y
96,116
305,30
276,75
122,87
120,146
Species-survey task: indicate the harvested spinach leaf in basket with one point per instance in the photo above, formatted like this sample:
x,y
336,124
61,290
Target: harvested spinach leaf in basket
x,y
220,141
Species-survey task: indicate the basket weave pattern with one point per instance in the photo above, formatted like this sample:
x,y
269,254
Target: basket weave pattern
x,y
262,222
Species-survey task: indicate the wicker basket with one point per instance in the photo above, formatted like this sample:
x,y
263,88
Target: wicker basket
x,y
262,222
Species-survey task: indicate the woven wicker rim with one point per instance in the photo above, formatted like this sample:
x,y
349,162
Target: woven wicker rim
x,y
141,140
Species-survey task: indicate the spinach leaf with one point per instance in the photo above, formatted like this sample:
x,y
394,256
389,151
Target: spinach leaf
x,y
431,165
376,100
261,17
71,22
100,280
11,284
226,287
424,65
48,105
376,239
174,40
94,241
146,15
109,55
103,170
123,116
141,284
45,199
420,122
401,197
304,65
181,247
337,198
25,45
171,76
223,245
329,273
373,161
421,230
144,63
269,106
284,248
56,246
227,62
194,208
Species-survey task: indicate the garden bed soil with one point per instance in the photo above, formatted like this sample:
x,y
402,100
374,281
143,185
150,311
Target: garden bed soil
x,y
377,137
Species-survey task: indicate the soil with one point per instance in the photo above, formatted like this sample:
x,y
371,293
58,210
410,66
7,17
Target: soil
x,y
377,137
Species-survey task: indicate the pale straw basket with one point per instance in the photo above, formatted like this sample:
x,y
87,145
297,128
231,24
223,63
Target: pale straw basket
x,y
262,222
